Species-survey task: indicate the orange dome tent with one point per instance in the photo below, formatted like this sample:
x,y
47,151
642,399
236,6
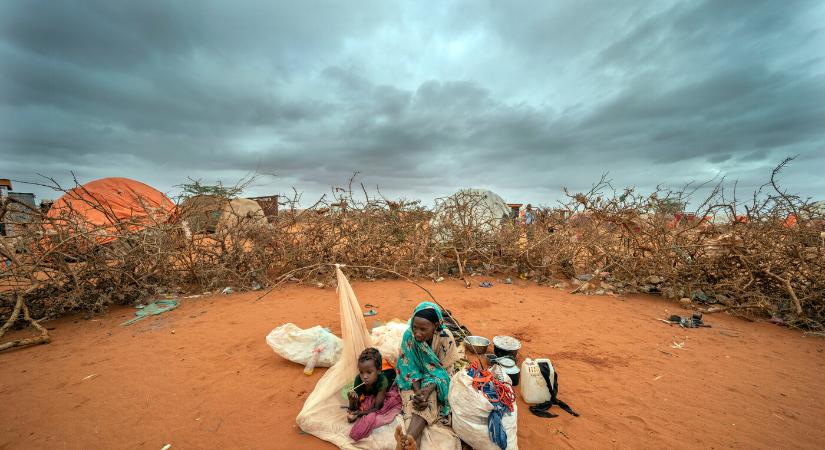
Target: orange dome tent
x,y
110,204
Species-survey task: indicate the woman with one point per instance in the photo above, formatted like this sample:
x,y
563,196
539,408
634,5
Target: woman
x,y
427,360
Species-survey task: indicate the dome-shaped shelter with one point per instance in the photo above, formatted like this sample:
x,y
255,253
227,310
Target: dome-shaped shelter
x,y
108,205
208,213
477,209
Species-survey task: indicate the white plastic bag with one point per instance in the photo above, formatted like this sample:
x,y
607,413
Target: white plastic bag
x,y
297,345
387,339
470,412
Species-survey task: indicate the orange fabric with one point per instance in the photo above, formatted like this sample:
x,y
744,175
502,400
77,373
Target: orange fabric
x,y
386,364
103,204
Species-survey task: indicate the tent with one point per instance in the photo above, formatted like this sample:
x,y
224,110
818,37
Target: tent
x,y
209,213
110,204
322,414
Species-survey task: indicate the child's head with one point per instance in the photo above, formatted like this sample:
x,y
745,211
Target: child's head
x,y
369,365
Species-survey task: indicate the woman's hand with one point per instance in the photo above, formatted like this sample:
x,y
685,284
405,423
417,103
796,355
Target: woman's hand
x,y
421,398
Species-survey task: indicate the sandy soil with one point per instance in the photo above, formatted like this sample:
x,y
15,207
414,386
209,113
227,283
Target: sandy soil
x,y
203,377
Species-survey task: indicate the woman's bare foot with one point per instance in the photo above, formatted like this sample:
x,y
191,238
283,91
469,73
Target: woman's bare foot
x,y
400,438
403,441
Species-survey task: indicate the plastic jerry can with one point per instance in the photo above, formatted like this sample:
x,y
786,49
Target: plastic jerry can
x,y
534,389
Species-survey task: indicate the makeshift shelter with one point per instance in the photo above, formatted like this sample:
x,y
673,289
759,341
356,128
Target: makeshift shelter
x,y
110,205
477,209
208,213
16,211
322,414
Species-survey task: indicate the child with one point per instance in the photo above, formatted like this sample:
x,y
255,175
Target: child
x,y
375,401
369,381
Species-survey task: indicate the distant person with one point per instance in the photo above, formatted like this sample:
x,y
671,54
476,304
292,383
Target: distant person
x,y
529,219
528,215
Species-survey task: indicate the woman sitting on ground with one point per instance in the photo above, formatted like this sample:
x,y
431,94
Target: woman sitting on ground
x,y
427,360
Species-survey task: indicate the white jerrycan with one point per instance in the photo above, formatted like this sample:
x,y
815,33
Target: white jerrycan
x,y
534,389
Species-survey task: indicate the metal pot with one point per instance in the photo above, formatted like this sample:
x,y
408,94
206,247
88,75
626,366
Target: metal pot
x,y
510,368
491,358
506,346
476,344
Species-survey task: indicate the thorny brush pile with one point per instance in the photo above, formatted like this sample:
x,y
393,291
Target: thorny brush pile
x,y
749,260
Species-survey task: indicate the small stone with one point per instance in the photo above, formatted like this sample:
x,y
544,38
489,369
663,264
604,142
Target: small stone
x,y
655,279
685,302
584,277
699,296
599,292
173,331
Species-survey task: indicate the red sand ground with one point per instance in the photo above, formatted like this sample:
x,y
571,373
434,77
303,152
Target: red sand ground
x,y
203,377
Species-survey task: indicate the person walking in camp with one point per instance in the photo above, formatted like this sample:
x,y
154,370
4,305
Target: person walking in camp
x,y
425,364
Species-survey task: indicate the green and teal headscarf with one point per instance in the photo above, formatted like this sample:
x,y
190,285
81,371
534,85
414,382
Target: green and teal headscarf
x,y
419,362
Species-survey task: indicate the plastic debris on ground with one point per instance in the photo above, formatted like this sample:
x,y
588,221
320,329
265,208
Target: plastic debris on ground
x,y
694,321
152,309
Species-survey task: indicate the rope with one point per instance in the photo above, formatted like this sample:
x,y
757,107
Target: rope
x,y
494,390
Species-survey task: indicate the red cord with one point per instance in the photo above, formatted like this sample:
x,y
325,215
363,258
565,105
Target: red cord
x,y
503,390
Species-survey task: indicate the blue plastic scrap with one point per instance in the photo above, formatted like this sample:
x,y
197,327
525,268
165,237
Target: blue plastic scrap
x,y
152,309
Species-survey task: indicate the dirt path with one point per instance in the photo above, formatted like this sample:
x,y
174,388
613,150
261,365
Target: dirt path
x,y
203,377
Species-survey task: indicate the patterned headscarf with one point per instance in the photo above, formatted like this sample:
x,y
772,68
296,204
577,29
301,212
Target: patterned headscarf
x,y
422,362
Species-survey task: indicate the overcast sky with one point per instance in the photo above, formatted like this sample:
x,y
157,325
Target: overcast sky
x,y
420,97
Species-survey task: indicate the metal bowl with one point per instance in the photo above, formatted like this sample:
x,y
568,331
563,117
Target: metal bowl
x,y
476,344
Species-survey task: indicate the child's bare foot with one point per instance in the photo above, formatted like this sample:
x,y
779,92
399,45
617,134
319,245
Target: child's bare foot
x,y
410,444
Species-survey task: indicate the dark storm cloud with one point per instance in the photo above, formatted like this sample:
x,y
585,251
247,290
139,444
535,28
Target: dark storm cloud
x,y
421,99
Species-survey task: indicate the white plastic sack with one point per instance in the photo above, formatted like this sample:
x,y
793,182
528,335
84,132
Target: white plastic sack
x,y
297,345
322,414
387,339
470,411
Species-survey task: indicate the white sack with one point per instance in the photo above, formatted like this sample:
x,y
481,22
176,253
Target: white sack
x,y
297,345
387,339
470,411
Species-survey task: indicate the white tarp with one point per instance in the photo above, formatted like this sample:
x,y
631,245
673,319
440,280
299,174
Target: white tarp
x,y
476,209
